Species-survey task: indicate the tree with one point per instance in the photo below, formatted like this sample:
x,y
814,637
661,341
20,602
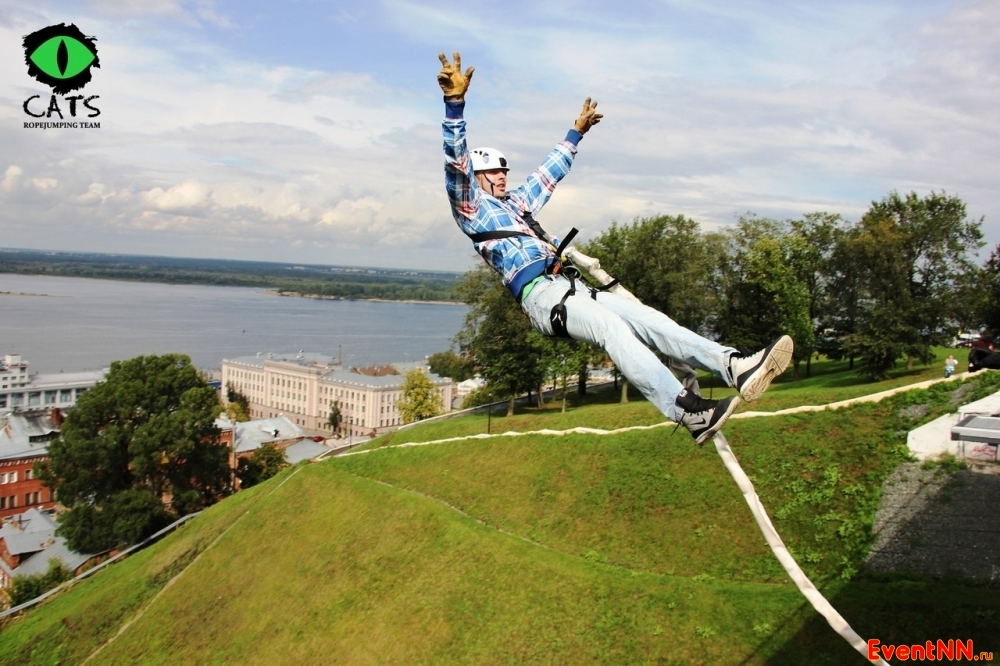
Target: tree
x,y
811,248
449,364
986,306
498,337
421,399
140,449
762,294
235,413
266,461
914,254
663,260
562,360
26,588
238,407
335,417
844,296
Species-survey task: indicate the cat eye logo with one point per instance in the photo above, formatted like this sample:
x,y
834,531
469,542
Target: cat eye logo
x,y
61,56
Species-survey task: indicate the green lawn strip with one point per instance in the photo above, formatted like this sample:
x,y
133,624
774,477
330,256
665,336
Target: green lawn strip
x,y
339,569
599,409
77,621
831,382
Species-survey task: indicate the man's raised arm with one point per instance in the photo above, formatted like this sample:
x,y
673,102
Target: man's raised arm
x,y
540,184
459,182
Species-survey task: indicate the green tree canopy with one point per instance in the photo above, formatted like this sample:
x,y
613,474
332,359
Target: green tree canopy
x,y
914,253
761,289
421,399
25,588
335,417
140,449
664,261
238,407
986,306
266,461
449,364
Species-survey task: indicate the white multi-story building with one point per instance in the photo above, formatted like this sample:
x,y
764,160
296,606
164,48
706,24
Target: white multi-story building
x,y
21,390
305,387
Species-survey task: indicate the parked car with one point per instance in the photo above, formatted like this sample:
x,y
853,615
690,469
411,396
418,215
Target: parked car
x,y
966,340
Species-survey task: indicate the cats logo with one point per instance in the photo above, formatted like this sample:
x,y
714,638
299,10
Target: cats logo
x,y
61,57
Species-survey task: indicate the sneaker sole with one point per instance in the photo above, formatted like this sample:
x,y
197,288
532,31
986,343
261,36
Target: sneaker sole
x,y
710,433
775,362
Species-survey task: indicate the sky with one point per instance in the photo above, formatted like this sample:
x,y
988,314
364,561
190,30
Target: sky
x,y
310,132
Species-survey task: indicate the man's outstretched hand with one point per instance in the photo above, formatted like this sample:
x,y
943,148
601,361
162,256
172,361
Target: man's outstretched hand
x,y
588,117
451,79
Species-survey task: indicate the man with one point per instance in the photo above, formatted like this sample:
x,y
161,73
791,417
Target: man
x,y
501,224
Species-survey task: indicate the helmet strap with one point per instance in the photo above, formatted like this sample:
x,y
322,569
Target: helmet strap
x,y
492,185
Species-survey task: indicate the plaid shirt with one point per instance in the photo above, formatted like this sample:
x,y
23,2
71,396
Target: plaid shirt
x,y
520,259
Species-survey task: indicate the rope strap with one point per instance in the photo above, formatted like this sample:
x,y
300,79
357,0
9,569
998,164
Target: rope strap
x,y
808,590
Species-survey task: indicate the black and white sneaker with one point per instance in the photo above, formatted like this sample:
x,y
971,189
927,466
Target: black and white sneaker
x,y
702,417
752,375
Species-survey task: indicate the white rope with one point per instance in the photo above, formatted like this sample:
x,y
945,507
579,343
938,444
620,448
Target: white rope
x,y
808,590
806,587
593,266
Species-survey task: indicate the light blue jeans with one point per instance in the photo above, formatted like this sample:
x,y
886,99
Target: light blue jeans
x,y
623,328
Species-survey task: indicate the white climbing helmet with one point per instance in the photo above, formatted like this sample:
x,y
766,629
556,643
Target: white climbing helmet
x,y
487,159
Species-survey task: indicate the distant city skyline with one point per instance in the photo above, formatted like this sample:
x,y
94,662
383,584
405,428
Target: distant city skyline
x,y
309,132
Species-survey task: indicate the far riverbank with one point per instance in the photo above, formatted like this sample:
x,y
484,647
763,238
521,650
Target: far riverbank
x,y
324,297
310,281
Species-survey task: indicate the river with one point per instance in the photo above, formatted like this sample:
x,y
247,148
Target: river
x,y
71,324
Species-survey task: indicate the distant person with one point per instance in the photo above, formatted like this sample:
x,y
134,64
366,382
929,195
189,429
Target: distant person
x,y
950,364
500,223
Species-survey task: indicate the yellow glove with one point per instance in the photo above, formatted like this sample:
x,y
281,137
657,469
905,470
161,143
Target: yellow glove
x,y
453,83
588,117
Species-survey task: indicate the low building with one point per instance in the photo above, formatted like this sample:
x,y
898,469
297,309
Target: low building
x,y
246,437
463,389
20,390
305,388
27,543
948,434
277,431
24,440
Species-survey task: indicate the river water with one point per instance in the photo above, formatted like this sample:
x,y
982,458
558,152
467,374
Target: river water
x,y
71,324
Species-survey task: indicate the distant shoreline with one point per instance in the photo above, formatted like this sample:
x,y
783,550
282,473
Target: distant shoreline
x,y
309,281
326,297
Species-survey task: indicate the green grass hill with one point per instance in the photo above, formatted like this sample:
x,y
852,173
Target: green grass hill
x,y
630,548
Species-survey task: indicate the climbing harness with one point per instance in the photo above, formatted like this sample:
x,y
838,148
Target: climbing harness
x,y
559,265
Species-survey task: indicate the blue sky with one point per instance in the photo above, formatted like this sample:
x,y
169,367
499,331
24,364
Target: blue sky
x,y
309,131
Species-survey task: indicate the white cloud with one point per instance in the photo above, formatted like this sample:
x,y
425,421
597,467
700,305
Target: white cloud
x,y
711,110
189,197
10,177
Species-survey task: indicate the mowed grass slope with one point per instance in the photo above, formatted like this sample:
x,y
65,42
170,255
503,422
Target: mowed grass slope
x,y
580,549
338,569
